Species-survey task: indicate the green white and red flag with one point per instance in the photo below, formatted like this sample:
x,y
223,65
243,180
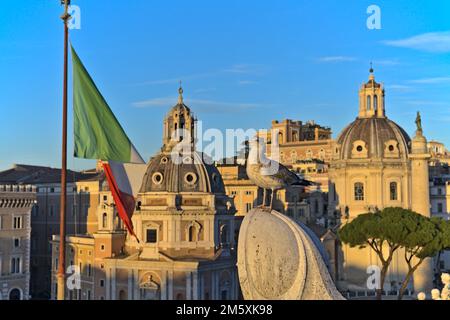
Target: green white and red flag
x,y
99,135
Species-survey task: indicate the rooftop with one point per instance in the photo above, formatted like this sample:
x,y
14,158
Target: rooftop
x,y
29,174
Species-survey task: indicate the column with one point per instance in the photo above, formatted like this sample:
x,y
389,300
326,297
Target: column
x,y
188,286
108,283
164,285
216,279
113,283
170,285
195,286
202,286
130,284
137,295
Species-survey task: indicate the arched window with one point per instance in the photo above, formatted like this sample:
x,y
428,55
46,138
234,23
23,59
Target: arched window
x,y
359,191
375,103
369,102
393,191
105,220
191,233
15,294
280,138
295,136
223,234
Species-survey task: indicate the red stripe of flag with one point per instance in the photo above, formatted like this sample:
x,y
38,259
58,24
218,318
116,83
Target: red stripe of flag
x,y
125,203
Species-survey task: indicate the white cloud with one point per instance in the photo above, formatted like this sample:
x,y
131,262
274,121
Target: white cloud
x,y
438,42
336,59
385,62
246,69
175,80
399,87
200,105
246,82
436,80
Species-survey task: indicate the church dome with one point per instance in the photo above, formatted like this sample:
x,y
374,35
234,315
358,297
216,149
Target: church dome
x,y
192,174
373,138
372,135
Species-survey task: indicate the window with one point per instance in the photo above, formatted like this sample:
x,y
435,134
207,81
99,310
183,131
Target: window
x,y
249,193
102,247
368,102
191,233
233,193
248,207
375,103
439,191
1,223
88,295
105,220
15,265
89,270
102,283
280,138
105,198
17,223
359,191
16,242
152,235
393,191
440,207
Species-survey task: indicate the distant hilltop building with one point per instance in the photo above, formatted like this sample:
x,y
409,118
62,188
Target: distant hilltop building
x,y
375,164
300,141
187,230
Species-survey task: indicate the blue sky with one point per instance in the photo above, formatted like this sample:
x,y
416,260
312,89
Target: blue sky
x,y
242,63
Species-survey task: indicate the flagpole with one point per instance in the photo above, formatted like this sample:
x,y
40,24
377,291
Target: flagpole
x,y
62,224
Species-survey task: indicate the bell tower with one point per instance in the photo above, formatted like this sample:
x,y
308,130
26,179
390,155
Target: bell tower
x,y
179,125
371,98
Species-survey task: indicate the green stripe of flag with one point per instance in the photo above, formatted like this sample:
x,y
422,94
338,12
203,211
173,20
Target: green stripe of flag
x,y
97,133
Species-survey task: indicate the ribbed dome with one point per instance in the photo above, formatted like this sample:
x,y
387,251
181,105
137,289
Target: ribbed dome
x,y
191,175
376,137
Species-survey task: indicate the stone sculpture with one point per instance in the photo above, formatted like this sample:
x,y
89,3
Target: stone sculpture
x,y
278,260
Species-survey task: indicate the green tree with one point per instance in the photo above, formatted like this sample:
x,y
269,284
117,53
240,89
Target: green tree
x,y
425,238
381,231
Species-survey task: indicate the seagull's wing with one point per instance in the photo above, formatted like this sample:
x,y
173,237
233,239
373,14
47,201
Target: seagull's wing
x,y
285,174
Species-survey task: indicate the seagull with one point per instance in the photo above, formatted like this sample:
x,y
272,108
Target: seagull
x,y
269,174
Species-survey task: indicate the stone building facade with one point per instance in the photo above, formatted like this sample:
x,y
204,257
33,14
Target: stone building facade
x,y
299,141
83,198
16,205
186,225
376,165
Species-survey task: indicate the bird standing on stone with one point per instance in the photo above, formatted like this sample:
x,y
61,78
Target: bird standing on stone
x,y
269,174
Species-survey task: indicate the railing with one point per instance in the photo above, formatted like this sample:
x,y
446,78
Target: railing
x,y
372,294
17,188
